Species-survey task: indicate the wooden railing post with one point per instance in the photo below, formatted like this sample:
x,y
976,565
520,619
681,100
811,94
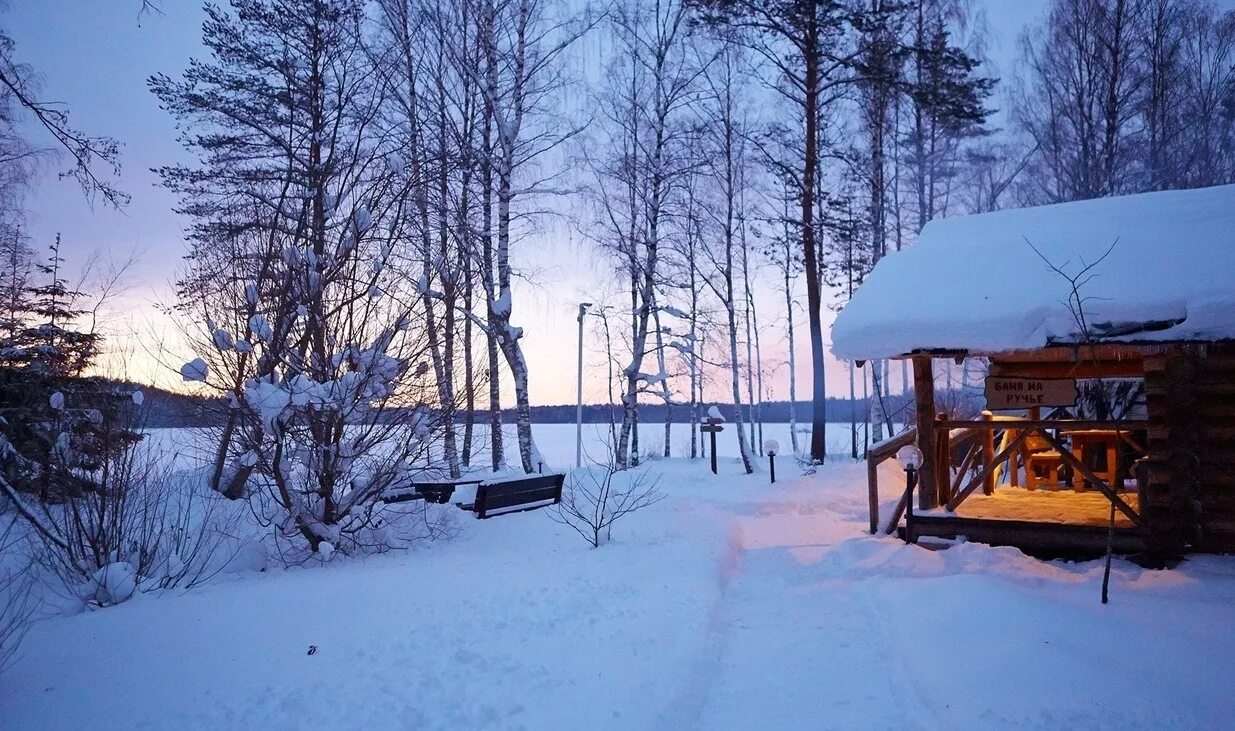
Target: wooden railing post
x,y
988,454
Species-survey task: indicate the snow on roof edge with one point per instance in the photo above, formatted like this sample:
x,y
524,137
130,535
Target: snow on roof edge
x,y
976,284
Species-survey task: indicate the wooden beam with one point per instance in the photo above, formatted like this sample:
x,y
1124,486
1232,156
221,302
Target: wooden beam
x,y
1105,369
924,400
872,493
943,463
1074,424
878,453
897,513
973,452
1077,353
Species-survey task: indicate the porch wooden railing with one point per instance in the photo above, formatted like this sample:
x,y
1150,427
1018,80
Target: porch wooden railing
x,y
963,443
875,456
984,472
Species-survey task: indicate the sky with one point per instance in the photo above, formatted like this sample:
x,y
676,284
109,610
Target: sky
x,y
95,55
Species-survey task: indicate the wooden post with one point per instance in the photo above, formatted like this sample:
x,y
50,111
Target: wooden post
x,y
924,398
713,435
711,427
988,455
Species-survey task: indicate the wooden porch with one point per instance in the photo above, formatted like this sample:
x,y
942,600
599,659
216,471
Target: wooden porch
x,y
1046,486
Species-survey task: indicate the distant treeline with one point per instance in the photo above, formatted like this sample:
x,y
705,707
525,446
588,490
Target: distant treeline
x,y
166,409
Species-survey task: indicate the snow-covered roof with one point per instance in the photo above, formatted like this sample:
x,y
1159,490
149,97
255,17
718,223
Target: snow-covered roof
x,y
975,283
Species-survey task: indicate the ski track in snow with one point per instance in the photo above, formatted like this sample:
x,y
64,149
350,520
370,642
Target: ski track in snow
x,y
732,604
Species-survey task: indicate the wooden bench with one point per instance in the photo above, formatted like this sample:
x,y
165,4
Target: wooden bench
x,y
515,496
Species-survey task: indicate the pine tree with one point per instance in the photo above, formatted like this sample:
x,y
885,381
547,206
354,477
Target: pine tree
x,y
58,427
52,344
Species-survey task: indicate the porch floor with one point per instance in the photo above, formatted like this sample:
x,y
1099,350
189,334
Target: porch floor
x,y
1042,506
1042,522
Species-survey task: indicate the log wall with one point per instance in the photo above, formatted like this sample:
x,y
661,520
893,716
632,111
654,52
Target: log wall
x,y
1190,501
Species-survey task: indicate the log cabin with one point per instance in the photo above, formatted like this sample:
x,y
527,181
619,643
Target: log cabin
x,y
1104,331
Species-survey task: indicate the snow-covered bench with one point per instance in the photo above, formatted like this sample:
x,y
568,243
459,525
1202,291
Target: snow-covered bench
x,y
517,495
496,497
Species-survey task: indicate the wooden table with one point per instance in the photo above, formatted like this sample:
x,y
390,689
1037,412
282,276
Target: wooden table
x,y
1107,439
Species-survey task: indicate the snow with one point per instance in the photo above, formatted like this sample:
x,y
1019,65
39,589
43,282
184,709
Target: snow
x,y
261,328
138,397
501,305
730,604
112,584
223,339
975,283
194,370
56,401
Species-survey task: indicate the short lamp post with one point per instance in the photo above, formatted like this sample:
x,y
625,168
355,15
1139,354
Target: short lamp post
x,y
910,459
771,447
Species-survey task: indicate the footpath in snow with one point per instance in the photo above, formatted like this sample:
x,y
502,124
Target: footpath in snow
x,y
730,604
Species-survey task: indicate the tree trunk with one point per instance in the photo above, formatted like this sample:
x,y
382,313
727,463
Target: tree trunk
x,y
814,299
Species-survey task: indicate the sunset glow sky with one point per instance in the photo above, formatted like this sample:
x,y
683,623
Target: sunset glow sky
x,y
95,55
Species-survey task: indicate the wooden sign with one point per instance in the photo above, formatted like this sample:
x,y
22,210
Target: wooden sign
x,y
1028,393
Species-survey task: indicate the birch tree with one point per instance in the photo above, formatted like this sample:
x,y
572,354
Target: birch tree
x,y
723,119
807,46
653,82
524,46
1080,96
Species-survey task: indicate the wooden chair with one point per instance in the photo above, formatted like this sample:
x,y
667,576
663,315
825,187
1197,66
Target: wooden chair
x,y
1037,453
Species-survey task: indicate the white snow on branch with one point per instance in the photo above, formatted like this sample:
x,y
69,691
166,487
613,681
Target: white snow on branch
x,y
194,370
261,328
223,339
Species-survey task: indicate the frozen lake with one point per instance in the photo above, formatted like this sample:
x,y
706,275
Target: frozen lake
x,y
192,447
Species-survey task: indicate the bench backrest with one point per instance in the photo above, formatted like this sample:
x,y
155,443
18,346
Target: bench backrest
x,y
508,494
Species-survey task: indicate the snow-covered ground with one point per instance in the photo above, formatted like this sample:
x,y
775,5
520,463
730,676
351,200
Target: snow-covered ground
x,y
730,604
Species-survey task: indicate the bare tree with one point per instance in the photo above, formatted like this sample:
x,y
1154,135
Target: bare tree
x,y
1207,72
652,83
1082,92
19,91
524,46
598,496
18,603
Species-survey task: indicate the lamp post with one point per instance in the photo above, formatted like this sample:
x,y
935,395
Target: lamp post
x,y
910,459
771,447
579,401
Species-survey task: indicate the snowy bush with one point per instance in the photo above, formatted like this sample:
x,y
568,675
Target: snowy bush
x,y
133,525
